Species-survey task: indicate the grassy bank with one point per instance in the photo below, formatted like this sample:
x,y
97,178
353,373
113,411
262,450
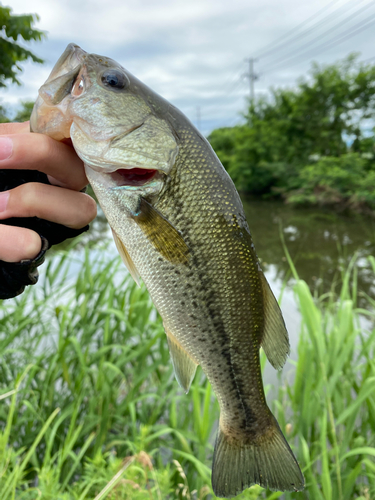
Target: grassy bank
x,y
90,409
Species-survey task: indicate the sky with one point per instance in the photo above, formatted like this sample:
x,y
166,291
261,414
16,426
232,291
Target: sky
x,y
195,53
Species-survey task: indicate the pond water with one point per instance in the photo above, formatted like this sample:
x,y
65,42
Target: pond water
x,y
321,243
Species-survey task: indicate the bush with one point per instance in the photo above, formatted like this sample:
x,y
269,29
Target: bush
x,y
347,181
323,117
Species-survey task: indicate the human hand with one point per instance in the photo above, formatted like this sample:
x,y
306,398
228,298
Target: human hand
x,y
61,202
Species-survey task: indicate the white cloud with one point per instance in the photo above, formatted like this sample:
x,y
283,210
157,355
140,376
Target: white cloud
x,y
191,52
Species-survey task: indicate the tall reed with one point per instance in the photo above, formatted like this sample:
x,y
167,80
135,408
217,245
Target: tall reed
x,y
90,409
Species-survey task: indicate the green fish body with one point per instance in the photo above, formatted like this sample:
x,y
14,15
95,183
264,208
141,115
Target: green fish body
x,y
179,224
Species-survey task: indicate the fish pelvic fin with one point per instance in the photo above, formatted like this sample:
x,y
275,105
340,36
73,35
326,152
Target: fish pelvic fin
x,y
126,258
274,340
164,237
184,366
267,461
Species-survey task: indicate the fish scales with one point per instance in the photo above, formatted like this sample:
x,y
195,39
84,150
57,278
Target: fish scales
x,y
228,308
179,224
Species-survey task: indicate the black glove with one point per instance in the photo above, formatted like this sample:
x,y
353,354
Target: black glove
x,y
15,276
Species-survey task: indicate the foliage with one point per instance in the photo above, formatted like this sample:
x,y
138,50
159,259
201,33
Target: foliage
x,y
3,115
333,392
16,28
24,112
22,115
99,356
324,117
331,180
90,408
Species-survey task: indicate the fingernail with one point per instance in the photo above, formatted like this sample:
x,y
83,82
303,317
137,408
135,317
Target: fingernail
x,y
6,148
4,197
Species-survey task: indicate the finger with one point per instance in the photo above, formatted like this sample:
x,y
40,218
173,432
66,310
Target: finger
x,y
18,243
56,204
40,152
14,128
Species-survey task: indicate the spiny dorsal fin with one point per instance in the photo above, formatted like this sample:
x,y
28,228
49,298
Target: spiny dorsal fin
x,y
163,236
126,258
275,340
183,364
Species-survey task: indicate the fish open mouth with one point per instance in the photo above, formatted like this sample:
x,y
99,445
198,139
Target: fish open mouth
x,y
133,176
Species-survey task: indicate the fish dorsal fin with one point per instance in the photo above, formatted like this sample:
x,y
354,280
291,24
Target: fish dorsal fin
x,y
275,340
163,236
126,258
184,366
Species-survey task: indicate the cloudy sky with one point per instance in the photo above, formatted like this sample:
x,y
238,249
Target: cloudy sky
x,y
195,52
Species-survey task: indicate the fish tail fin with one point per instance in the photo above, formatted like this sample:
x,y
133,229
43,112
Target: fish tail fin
x,y
268,461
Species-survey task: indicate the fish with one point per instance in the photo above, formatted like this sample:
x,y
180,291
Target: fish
x,y
179,225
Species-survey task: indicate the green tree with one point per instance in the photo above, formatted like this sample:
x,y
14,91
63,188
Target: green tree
x,y
24,112
3,115
15,29
294,127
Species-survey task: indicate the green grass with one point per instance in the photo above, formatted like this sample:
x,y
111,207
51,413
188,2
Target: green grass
x,y
90,409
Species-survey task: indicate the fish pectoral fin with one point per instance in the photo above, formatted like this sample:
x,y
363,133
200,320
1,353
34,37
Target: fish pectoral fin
x,y
274,340
184,366
164,237
126,258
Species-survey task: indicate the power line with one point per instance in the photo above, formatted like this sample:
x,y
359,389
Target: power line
x,y
232,81
271,50
263,52
292,57
361,26
369,59
328,32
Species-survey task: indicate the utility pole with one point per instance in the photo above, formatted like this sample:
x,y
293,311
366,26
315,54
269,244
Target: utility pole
x,y
251,76
199,118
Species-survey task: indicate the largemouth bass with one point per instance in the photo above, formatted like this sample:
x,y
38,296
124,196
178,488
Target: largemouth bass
x,y
179,224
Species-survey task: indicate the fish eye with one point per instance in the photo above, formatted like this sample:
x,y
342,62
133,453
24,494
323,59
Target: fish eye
x,y
114,79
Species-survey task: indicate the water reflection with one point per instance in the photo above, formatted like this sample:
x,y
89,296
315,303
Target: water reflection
x,y
321,243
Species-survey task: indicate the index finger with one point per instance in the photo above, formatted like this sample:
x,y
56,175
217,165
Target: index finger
x,y
14,128
24,150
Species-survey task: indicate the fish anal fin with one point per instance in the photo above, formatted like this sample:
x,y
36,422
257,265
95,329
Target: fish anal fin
x,y
274,340
184,366
126,258
164,237
266,460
